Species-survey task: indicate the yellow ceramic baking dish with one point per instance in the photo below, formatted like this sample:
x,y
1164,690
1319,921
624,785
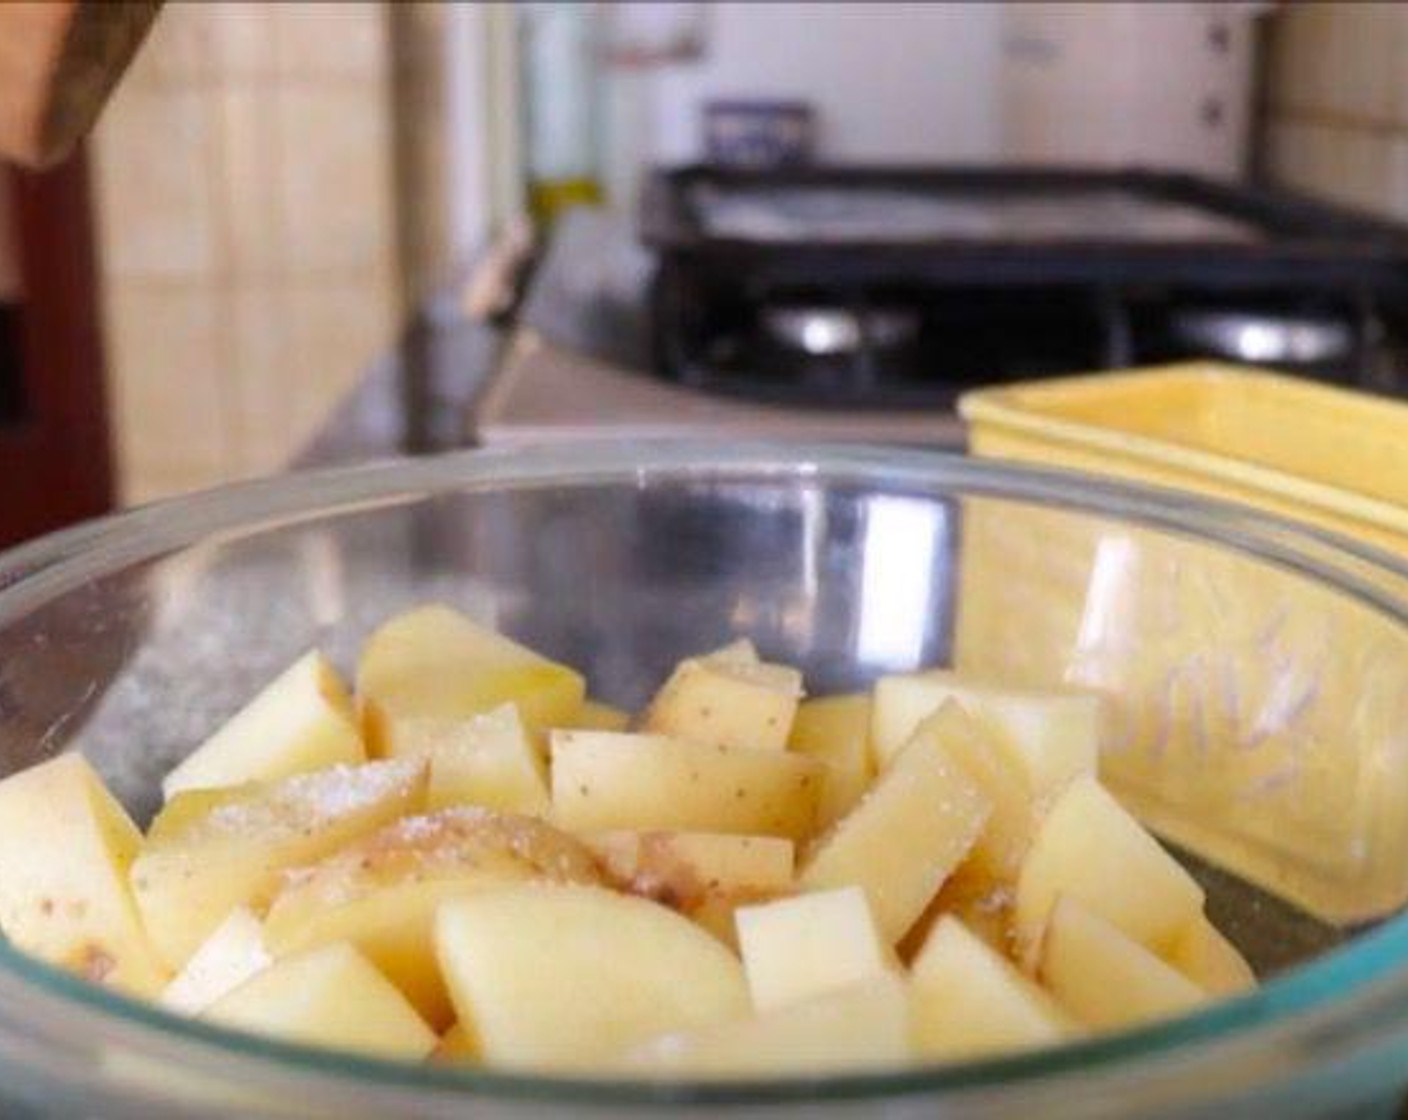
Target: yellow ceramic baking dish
x,y
1251,712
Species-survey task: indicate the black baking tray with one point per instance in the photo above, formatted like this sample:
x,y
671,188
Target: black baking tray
x,y
991,225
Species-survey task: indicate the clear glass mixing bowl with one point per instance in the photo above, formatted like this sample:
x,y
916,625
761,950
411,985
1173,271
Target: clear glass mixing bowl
x,y
1254,669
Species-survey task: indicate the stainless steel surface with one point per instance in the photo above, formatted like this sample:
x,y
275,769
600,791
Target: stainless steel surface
x,y
1267,338
822,331
545,393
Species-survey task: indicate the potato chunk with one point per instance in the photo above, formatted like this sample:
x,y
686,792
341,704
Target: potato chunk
x,y
799,947
861,1027
917,823
435,662
65,849
225,960
563,977
727,701
836,730
596,716
1090,849
302,721
380,894
679,868
1105,978
605,780
329,996
968,999
997,854
488,760
209,851
1208,959
1052,736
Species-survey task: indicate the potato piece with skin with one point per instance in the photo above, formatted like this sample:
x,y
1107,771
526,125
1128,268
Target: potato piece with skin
x,y
800,947
330,996
209,851
917,823
1051,737
381,893
225,960
861,1027
457,1046
435,662
967,999
1091,849
606,780
564,977
682,868
1207,958
1105,978
487,760
597,716
836,730
727,703
66,846
302,721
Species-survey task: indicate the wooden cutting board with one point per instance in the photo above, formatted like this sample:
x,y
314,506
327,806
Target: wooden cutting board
x,y
59,60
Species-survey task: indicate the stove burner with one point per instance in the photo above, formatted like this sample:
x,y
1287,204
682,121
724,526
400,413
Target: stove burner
x,y
834,331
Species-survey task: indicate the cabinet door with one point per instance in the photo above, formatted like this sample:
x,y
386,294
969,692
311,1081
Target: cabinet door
x,y
55,457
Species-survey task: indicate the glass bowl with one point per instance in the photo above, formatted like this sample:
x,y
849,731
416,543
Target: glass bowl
x,y
1253,667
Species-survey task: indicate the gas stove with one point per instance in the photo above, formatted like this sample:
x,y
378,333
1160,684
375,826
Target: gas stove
x,y
858,304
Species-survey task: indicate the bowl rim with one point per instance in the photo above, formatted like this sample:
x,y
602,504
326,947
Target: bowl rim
x,y
1309,1018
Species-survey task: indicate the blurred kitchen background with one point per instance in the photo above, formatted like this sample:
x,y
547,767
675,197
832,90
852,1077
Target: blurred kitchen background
x,y
360,225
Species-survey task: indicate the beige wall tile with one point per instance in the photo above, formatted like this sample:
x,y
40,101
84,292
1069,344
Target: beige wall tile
x,y
178,50
1398,179
169,348
262,370
330,40
1365,57
1299,60
335,177
155,184
247,193
242,38
1351,167
336,328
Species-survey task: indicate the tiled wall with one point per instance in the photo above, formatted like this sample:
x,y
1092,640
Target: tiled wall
x,y
1337,109
244,192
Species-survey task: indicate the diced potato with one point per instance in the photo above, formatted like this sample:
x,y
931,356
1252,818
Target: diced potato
x,y
836,730
800,947
596,716
435,662
1105,978
1052,736
209,851
302,721
65,849
456,1045
917,823
488,760
1091,849
563,977
679,867
381,893
227,958
1208,959
997,855
984,909
727,702
862,1027
606,780
968,999
330,996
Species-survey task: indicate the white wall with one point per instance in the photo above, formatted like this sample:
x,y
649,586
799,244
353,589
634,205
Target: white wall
x,y
913,81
